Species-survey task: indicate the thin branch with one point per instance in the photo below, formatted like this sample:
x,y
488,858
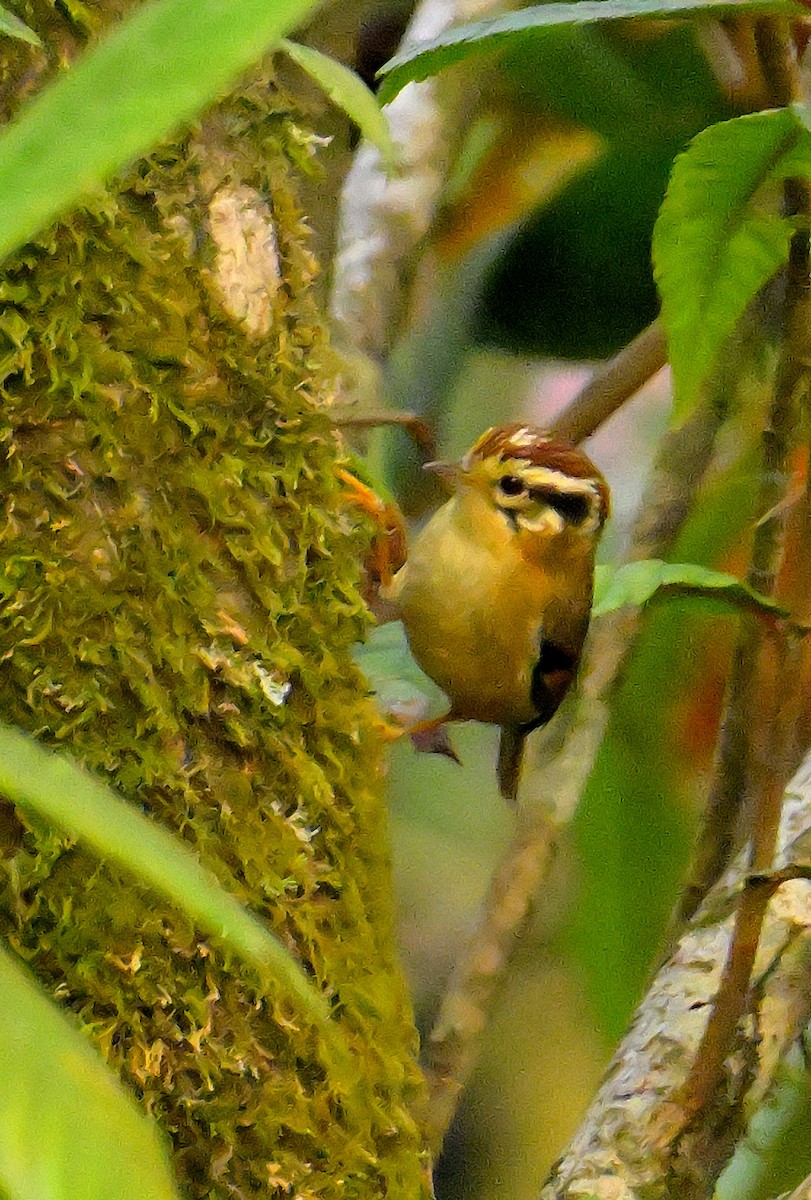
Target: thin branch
x,y
778,60
625,1146
732,792
763,710
730,49
419,430
451,1050
615,382
733,993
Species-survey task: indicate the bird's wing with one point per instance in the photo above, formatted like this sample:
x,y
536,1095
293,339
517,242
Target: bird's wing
x,y
552,676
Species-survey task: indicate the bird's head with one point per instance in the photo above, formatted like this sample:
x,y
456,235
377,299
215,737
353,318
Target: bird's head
x,y
535,482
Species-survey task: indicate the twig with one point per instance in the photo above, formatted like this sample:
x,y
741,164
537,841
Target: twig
x,y
778,60
731,792
733,992
614,383
729,46
451,1049
414,425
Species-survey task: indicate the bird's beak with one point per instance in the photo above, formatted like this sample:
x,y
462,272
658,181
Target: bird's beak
x,y
449,473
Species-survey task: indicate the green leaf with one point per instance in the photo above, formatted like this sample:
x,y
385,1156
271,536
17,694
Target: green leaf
x,y
637,582
150,75
403,690
714,247
58,792
497,33
68,1129
350,93
12,26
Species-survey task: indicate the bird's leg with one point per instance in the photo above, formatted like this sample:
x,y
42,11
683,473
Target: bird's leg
x,y
387,555
427,737
431,737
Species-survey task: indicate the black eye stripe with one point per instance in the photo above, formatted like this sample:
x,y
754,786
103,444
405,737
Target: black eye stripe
x,y
574,507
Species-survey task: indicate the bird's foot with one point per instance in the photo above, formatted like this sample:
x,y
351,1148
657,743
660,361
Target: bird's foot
x,y
388,551
431,737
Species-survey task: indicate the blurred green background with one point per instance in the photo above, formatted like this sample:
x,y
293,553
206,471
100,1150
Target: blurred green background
x,y
537,266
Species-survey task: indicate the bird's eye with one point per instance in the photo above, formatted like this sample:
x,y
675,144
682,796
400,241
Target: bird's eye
x,y
511,485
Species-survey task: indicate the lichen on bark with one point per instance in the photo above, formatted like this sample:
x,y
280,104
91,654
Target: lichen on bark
x,y
178,599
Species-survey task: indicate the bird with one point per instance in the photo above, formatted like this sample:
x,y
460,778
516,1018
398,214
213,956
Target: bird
x,y
495,594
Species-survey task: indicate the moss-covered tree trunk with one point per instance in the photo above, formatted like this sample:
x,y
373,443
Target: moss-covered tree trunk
x,y
179,598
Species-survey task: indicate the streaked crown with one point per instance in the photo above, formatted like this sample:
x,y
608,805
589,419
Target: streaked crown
x,y
533,473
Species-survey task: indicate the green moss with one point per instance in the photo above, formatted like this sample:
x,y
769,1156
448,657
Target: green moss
x,y
178,596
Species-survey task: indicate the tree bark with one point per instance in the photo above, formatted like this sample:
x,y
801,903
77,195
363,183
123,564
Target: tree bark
x,y
178,599
638,1139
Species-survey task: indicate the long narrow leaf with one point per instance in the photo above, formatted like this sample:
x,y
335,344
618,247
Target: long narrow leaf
x,y
350,93
498,33
713,248
68,1130
150,75
12,26
63,796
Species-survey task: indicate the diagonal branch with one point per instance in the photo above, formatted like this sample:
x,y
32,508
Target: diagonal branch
x,y
625,1146
452,1046
615,382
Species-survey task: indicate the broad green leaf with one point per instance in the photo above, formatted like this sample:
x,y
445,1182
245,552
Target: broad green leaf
x,y
715,245
637,582
12,26
498,33
59,793
149,75
403,690
68,1129
350,93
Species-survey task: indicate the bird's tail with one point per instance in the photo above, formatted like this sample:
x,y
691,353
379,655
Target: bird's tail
x,y
510,758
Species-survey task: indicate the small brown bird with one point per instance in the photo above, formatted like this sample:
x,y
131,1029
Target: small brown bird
x,y
496,592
